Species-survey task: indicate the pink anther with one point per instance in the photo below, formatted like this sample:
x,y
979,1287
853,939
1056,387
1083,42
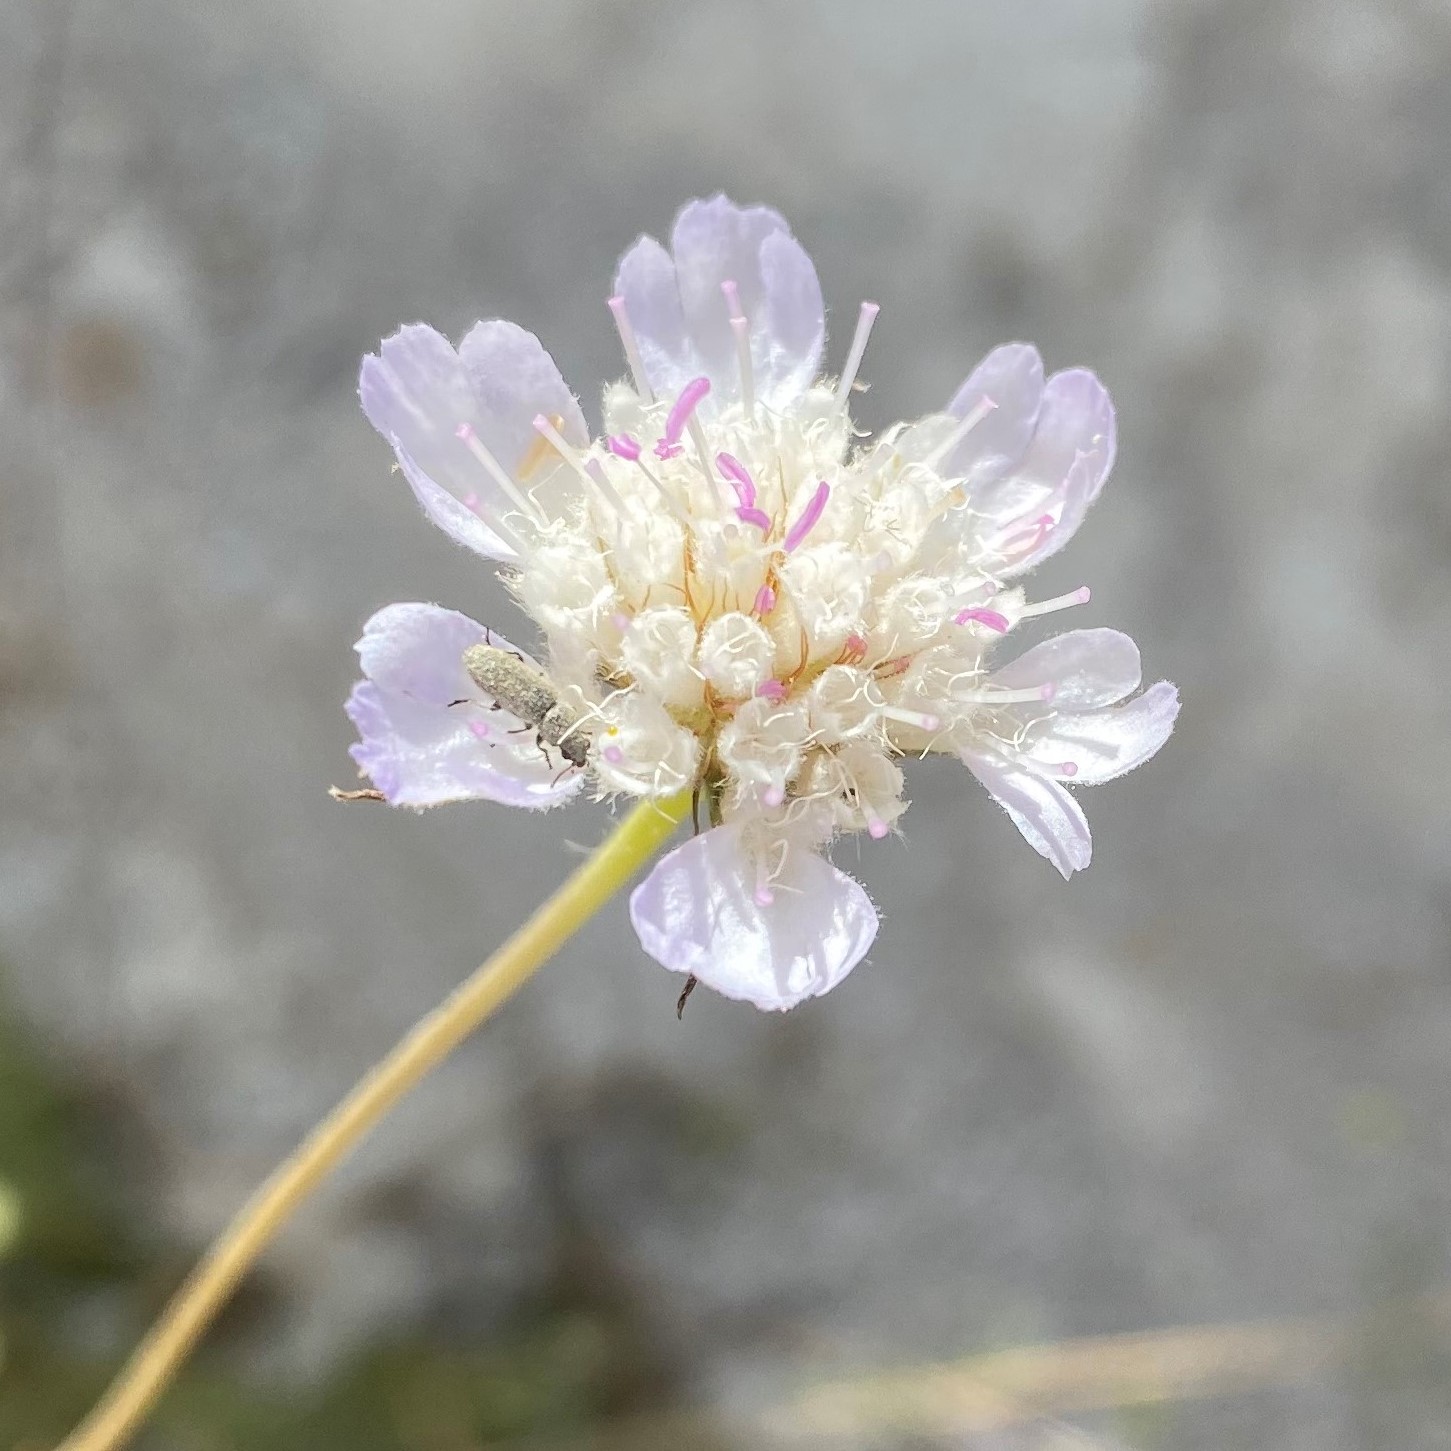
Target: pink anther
x,y
734,470
685,405
758,517
623,446
773,690
765,600
991,618
813,511
614,755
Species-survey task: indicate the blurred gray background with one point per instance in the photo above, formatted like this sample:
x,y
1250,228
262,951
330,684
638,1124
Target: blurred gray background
x,y
1207,1081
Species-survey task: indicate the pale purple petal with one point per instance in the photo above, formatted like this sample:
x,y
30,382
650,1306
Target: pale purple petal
x,y
697,913
456,519
681,318
1104,744
428,733
1012,378
1063,470
788,332
1086,668
514,380
418,393
1048,817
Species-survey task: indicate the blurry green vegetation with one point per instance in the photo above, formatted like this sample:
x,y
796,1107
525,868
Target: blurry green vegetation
x,y
77,1287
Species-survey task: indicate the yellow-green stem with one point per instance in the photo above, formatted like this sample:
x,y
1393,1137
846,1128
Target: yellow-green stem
x,y
632,843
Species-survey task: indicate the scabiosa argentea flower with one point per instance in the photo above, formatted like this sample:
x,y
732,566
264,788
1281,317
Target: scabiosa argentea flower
x,y
740,593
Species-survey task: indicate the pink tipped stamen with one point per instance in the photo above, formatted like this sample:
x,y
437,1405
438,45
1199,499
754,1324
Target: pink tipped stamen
x,y
631,347
620,620
992,619
735,471
773,690
623,446
741,331
467,434
1025,541
865,318
923,720
804,525
1080,596
1030,695
774,794
950,443
763,895
758,517
480,728
683,408
876,827
765,600
614,755
1069,769
546,430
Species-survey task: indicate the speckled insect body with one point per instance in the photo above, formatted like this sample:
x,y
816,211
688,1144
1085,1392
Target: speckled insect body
x,y
528,694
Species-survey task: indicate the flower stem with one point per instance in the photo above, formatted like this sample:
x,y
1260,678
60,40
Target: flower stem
x,y
141,1381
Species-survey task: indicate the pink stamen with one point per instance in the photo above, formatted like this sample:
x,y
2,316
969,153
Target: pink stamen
x,y
679,416
758,517
855,647
991,618
1069,768
814,510
774,795
923,720
631,347
765,600
740,480
623,446
764,896
480,728
1025,541
620,620
614,755
772,690
1079,596
877,828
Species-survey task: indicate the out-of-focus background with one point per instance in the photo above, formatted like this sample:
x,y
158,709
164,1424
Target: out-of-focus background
x,y
1209,1082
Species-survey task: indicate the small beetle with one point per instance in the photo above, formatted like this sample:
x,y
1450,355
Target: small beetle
x,y
528,694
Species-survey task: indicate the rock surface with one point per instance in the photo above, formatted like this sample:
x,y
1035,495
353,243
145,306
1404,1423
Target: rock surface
x,y
1207,1081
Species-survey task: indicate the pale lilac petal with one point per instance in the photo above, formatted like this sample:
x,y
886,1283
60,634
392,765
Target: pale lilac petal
x,y
514,380
1012,378
418,392
1086,668
681,319
456,519
1104,744
1048,817
696,913
428,733
788,332
1063,470
645,278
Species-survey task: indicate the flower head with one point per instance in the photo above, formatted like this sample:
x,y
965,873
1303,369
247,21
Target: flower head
x,y
741,594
